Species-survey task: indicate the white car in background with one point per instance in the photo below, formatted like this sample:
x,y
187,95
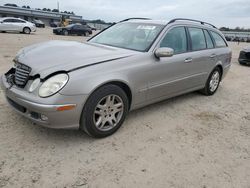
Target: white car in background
x,y
16,24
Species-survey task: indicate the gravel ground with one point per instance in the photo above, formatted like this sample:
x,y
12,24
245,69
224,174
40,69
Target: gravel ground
x,y
187,141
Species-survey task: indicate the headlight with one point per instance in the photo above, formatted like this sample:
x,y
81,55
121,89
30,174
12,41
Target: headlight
x,y
53,85
34,85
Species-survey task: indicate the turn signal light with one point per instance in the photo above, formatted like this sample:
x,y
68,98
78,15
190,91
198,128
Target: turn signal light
x,y
67,107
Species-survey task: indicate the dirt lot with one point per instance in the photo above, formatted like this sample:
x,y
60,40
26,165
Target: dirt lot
x,y
188,141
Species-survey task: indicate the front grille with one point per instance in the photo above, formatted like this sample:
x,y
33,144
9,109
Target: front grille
x,y
247,55
21,74
244,55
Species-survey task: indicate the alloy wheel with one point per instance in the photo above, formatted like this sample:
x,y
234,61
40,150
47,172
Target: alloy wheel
x,y
108,112
214,82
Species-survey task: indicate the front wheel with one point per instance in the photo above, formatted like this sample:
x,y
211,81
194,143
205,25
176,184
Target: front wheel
x,y
104,111
213,82
26,30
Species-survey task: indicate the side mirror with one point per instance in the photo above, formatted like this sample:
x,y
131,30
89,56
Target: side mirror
x,y
164,52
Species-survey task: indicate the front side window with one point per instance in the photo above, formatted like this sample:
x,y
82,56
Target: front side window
x,y
197,39
209,40
8,21
176,39
219,41
134,36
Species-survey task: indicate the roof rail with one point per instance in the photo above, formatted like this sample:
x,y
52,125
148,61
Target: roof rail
x,y
134,19
185,19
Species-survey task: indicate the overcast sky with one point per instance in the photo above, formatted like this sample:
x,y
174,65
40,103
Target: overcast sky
x,y
229,13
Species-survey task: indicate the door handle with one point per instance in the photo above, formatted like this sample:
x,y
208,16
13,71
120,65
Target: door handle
x,y
188,60
213,56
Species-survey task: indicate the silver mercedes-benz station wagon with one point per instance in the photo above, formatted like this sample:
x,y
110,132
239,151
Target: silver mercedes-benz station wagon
x,y
93,85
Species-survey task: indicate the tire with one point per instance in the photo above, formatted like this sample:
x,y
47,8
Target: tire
x,y
97,119
65,33
26,30
241,63
215,77
86,34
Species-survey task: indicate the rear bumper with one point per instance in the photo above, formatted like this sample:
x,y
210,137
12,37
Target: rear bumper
x,y
44,111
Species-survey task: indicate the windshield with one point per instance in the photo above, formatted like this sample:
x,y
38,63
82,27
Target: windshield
x,y
134,36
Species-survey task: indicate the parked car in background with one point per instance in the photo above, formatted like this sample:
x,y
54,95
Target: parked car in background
x,y
228,38
38,23
16,25
92,86
73,29
244,58
54,24
91,27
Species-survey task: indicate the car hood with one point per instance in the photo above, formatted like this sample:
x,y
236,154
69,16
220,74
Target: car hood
x,y
49,57
247,49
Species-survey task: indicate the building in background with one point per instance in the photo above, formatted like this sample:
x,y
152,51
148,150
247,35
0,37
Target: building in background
x,y
29,14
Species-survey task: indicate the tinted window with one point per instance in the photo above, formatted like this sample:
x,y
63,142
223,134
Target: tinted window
x,y
176,39
17,21
208,39
197,39
77,27
8,20
219,41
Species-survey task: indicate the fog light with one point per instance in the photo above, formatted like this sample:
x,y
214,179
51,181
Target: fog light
x,y
44,118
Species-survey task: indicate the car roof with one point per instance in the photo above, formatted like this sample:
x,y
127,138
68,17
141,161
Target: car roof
x,y
4,18
177,22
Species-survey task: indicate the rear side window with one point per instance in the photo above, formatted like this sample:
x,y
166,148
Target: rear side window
x,y
219,41
197,39
176,39
208,39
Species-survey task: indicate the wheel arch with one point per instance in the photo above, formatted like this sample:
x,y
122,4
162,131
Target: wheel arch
x,y
26,27
221,69
122,84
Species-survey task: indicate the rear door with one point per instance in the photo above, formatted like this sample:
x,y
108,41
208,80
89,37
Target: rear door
x,y
202,54
6,25
76,30
174,75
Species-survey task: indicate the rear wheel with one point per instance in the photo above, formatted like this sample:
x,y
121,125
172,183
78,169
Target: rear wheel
x,y
65,32
104,111
213,82
26,30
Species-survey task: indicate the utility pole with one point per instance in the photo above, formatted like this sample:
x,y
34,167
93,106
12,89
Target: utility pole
x,y
58,6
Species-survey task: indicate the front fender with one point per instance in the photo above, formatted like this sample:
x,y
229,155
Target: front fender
x,y
80,83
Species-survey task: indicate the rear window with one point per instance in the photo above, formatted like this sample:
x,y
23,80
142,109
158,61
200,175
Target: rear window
x,y
197,39
209,40
219,41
